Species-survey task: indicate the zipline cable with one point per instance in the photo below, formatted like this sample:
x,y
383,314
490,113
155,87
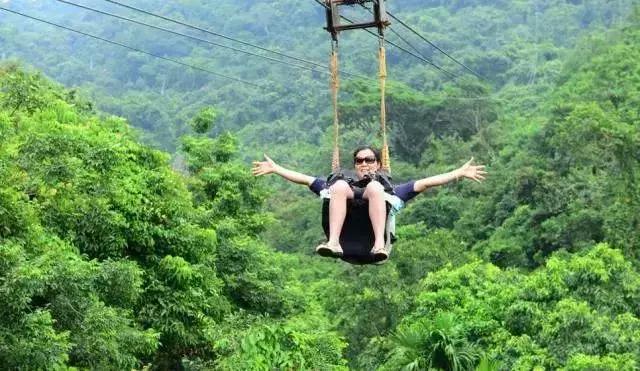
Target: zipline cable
x,y
193,37
435,46
134,49
425,60
299,59
415,49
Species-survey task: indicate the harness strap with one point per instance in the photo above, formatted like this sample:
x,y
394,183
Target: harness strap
x,y
351,179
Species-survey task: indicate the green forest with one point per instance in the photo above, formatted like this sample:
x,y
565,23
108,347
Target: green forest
x,y
133,235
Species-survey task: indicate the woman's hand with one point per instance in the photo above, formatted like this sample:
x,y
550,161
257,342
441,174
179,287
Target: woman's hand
x,y
264,167
473,172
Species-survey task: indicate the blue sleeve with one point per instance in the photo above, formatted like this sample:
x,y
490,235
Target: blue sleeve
x,y
318,185
405,191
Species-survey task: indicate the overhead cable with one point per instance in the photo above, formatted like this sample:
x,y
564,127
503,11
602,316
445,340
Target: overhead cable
x,y
299,59
415,49
134,49
192,37
435,46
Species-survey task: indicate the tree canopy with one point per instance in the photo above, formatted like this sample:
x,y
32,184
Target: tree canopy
x,y
133,235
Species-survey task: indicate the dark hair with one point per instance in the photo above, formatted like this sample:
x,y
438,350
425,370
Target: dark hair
x,y
376,152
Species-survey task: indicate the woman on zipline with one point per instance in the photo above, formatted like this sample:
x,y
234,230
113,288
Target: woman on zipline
x,y
367,162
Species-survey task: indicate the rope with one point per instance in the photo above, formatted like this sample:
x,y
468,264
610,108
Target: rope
x,y
386,165
335,85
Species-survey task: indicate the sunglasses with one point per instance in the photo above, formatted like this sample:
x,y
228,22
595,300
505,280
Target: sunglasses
x,y
368,160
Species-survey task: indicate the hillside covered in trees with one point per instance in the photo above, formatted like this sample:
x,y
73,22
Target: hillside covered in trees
x,y
133,236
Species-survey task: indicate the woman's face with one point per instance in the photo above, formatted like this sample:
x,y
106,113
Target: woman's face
x,y
365,163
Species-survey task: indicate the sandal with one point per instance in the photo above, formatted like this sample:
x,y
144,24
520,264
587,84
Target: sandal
x,y
380,255
333,250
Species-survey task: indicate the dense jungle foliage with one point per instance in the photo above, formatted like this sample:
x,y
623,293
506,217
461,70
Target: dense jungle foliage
x,y
133,236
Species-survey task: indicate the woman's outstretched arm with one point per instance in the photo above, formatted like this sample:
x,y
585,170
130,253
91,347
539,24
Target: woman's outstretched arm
x,y
270,167
469,171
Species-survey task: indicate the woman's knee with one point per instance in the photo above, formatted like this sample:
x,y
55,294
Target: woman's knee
x,y
340,187
374,188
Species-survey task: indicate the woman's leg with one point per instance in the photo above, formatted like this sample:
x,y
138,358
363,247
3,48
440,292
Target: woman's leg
x,y
377,213
340,193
